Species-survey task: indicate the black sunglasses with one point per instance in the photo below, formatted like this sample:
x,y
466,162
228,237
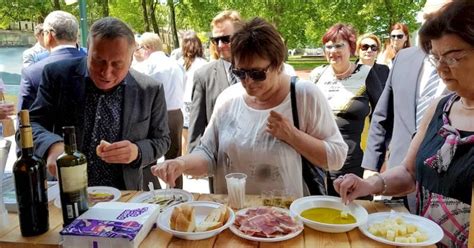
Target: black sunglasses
x,y
224,39
254,74
366,47
398,36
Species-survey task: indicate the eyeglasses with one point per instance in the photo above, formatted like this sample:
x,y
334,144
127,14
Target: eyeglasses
x,y
337,46
224,39
397,36
254,74
449,61
366,47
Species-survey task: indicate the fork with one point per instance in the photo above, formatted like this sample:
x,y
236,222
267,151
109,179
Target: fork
x,y
168,192
151,187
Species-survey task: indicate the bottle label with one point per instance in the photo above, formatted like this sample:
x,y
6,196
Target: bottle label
x,y
74,178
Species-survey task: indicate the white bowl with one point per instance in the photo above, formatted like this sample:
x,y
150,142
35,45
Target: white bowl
x,y
202,209
308,202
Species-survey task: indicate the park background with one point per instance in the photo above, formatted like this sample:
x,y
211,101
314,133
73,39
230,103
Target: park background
x,y
300,22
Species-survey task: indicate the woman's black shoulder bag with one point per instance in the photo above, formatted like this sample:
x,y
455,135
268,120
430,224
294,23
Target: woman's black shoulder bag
x,y
313,176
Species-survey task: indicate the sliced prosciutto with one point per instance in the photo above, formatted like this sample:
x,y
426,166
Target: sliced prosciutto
x,y
266,222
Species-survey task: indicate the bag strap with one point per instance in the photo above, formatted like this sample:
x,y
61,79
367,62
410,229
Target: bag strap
x,y
294,107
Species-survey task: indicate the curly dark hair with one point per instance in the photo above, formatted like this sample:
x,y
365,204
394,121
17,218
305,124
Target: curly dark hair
x,y
453,18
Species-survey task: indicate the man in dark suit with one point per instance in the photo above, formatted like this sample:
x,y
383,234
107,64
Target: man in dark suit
x,y
211,79
60,36
106,101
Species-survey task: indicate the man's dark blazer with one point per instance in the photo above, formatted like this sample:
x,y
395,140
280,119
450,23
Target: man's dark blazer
x,y
60,102
31,75
209,81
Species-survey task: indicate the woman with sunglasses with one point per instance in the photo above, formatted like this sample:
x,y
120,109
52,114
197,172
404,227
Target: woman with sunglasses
x,y
251,129
352,91
439,164
399,39
368,47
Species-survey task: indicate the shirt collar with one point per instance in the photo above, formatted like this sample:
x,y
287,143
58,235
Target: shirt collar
x,y
61,47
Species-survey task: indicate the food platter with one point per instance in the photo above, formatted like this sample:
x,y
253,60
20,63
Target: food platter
x,y
247,214
163,197
202,208
433,230
97,194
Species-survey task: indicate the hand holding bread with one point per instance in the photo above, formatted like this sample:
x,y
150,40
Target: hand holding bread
x,y
183,219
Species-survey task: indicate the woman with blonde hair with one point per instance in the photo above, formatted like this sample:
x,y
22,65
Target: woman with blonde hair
x,y
367,48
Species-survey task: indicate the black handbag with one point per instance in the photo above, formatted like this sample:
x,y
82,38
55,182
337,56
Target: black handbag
x,y
314,177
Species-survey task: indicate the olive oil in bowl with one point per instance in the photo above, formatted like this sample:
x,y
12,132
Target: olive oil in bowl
x,y
327,216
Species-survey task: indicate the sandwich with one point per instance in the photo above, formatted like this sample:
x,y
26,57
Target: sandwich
x,y
183,219
215,219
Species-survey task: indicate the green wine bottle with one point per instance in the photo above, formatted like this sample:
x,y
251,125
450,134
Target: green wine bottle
x,y
72,173
30,184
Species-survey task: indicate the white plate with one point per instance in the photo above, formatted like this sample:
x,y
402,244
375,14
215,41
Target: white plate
x,y
202,209
96,189
163,194
433,230
237,232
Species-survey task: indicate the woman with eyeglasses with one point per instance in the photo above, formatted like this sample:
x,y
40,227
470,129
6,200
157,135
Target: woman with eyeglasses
x,y
251,129
368,47
352,91
439,164
399,39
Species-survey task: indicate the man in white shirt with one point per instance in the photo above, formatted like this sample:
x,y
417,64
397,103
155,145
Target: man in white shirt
x,y
167,71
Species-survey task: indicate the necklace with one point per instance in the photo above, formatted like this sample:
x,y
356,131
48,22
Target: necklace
x,y
464,106
344,74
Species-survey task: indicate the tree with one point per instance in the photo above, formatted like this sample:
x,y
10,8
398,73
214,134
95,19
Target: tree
x,y
174,31
145,15
154,22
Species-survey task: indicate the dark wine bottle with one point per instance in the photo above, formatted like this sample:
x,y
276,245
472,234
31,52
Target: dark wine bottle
x,y
72,172
30,184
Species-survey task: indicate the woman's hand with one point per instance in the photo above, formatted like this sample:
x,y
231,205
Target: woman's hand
x,y
169,170
350,187
6,109
280,127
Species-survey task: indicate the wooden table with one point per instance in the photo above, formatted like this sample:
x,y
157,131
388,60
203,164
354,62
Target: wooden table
x,y
11,236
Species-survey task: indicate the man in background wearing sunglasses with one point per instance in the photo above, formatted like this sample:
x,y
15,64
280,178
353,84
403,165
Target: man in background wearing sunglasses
x,y
211,79
412,84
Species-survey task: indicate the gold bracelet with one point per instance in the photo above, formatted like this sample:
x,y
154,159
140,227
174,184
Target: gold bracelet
x,y
383,183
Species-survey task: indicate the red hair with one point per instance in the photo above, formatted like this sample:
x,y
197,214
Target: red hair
x,y
342,31
404,28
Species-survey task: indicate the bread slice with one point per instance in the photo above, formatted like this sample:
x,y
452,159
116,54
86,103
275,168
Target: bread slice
x,y
215,219
183,219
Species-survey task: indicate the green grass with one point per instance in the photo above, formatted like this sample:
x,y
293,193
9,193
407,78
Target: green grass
x,y
305,63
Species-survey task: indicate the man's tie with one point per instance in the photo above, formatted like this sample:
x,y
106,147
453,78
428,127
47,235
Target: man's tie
x,y
426,96
232,77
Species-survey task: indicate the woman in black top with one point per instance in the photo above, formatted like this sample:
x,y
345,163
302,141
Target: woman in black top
x,y
352,91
